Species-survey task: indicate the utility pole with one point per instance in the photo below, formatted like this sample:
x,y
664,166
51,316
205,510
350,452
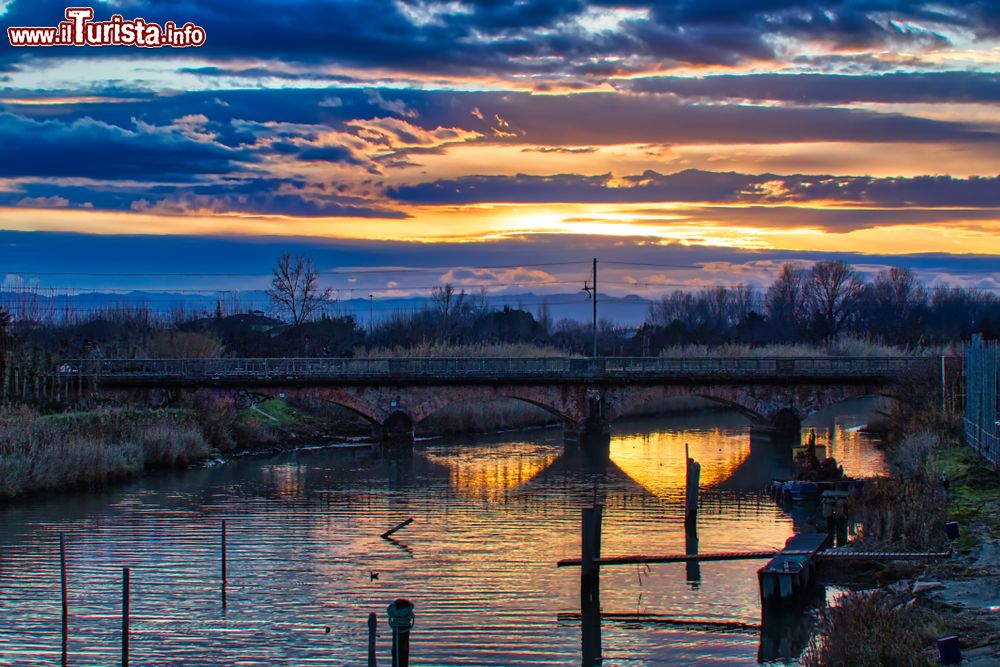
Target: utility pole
x,y
591,290
595,308
371,315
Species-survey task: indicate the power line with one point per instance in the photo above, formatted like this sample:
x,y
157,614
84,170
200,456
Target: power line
x,y
208,290
89,274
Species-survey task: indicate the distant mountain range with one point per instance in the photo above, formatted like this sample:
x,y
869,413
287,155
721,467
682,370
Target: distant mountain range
x,y
628,311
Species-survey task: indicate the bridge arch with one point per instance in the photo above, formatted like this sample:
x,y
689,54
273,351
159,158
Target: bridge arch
x,y
626,400
549,410
561,402
763,404
354,401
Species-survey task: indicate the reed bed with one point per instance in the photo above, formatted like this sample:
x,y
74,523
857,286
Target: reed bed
x,y
874,629
842,347
43,452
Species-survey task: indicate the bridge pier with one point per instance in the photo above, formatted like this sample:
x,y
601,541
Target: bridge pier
x,y
593,433
786,425
395,432
588,436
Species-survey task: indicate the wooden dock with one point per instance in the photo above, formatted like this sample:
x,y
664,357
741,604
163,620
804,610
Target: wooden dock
x,y
791,570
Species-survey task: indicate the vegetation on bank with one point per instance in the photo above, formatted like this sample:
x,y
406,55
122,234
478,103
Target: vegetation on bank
x,y
973,493
880,628
41,452
907,511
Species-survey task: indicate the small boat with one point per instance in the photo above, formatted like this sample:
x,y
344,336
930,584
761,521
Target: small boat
x,y
795,489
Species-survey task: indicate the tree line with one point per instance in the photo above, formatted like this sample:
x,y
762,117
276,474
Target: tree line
x,y
821,303
824,302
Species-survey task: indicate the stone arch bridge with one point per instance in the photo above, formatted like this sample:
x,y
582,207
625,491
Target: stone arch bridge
x,y
585,394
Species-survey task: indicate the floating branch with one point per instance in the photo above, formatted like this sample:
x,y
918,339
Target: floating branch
x,y
398,526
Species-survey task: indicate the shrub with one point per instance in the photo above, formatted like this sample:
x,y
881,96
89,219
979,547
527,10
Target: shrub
x,y
874,629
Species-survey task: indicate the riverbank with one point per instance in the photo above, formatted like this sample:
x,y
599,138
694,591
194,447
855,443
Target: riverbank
x,y
42,452
914,605
83,449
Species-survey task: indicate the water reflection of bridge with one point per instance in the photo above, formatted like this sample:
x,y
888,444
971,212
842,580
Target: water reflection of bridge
x,y
645,468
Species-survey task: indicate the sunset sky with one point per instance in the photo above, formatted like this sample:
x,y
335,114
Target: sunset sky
x,y
712,139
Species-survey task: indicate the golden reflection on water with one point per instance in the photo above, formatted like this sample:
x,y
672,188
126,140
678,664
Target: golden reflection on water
x,y
656,460
287,480
492,476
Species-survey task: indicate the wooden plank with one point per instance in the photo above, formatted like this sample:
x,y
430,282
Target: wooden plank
x,y
671,558
881,555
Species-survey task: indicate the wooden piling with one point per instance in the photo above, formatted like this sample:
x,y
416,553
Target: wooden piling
x,y
65,600
223,545
598,522
587,547
126,574
590,583
372,624
692,480
693,566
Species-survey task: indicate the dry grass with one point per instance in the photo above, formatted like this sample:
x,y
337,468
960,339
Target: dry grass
x,y
844,347
440,350
873,629
40,452
908,510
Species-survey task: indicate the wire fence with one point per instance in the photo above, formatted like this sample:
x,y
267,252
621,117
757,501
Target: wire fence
x,y
982,404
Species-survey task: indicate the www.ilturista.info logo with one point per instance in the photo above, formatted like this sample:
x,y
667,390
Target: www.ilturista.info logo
x,y
79,29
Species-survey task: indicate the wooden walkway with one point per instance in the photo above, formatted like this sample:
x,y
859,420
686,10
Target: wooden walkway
x,y
790,571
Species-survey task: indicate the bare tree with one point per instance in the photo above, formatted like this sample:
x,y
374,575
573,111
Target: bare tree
x,y
897,291
896,305
676,306
785,300
295,288
832,289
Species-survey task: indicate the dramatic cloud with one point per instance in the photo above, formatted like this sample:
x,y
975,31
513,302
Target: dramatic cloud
x,y
799,124
702,186
92,148
831,89
544,36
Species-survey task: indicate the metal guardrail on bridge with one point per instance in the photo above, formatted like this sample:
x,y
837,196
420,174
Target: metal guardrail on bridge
x,y
491,368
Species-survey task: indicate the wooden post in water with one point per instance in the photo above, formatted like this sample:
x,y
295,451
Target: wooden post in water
x,y
65,600
598,521
125,611
692,478
587,546
372,623
590,584
223,563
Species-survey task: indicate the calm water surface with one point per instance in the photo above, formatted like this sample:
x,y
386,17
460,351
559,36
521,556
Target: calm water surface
x,y
492,516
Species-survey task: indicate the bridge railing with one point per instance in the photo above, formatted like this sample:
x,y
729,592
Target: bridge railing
x,y
489,368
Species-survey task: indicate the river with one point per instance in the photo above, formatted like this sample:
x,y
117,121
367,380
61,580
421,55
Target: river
x,y
492,515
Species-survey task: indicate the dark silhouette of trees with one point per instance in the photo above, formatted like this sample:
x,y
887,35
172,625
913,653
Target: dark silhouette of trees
x,y
6,343
785,304
832,290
